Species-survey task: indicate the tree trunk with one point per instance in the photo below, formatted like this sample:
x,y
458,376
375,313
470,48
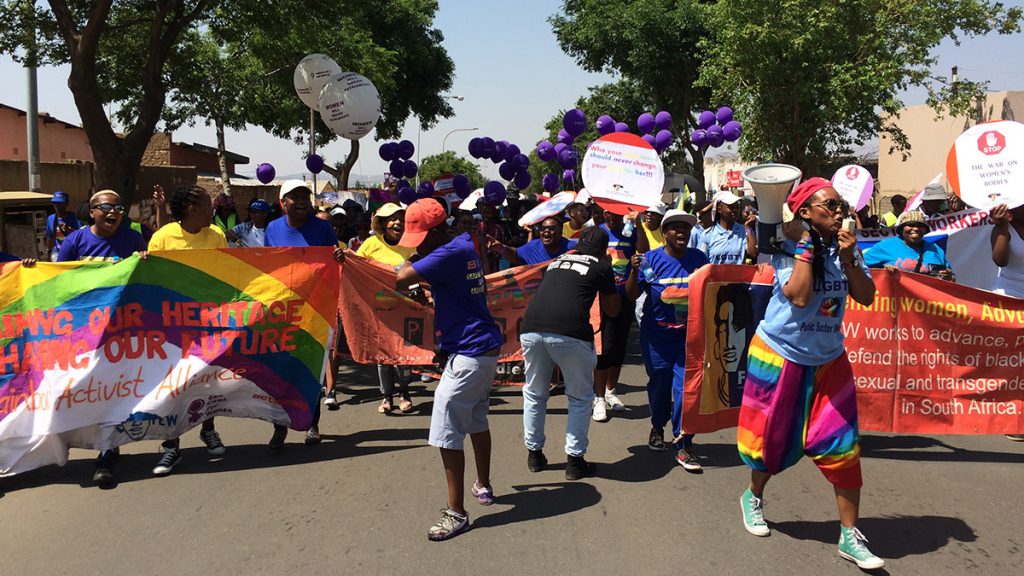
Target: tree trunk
x,y
222,161
346,167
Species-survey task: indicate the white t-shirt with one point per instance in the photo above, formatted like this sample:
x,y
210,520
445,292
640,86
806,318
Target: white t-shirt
x,y
1010,280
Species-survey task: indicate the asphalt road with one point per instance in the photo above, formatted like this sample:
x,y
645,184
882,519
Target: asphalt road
x,y
361,503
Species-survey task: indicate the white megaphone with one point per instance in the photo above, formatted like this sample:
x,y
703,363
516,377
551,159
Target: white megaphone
x,y
771,184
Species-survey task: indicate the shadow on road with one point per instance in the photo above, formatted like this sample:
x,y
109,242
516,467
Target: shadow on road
x,y
535,501
914,448
897,536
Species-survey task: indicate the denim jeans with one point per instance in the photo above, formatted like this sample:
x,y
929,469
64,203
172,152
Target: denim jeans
x,y
576,359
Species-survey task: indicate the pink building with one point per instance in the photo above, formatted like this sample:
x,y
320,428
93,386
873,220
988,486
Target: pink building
x,y
59,141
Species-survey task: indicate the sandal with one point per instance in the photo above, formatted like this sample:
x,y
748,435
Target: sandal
x,y
385,406
405,403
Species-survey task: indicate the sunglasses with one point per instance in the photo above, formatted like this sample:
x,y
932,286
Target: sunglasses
x,y
550,228
107,208
833,205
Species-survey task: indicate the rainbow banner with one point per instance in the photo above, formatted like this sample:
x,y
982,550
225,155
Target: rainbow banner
x,y
99,354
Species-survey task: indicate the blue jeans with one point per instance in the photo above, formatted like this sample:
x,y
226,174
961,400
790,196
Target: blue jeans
x,y
665,360
576,359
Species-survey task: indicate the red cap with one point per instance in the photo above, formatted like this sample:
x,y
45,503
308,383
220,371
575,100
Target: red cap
x,y
805,190
421,217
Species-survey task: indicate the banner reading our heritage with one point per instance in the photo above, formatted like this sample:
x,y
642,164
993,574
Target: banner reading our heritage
x,y
929,357
98,354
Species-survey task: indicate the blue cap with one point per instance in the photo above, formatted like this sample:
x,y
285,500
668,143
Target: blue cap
x,y
259,206
59,196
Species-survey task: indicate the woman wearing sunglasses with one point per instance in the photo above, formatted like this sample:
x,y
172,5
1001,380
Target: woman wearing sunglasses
x,y
799,396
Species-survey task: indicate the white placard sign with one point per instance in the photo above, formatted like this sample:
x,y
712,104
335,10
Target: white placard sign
x,y
623,173
984,166
855,184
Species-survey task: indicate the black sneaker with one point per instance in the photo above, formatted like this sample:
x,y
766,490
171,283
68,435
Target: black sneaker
x,y
331,401
577,467
687,458
656,441
168,460
313,436
103,477
536,461
277,440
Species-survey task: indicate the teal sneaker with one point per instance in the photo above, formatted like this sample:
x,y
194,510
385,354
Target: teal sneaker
x,y
753,514
852,547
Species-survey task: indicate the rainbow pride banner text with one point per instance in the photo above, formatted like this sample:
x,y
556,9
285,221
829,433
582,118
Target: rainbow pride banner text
x,y
96,354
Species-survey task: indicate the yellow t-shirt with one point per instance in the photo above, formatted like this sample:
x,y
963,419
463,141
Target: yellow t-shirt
x,y
376,249
569,232
654,237
172,237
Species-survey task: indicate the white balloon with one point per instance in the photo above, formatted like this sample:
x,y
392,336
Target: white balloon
x,y
350,105
310,76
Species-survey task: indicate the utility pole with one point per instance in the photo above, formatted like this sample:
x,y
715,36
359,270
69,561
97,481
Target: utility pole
x,y
32,116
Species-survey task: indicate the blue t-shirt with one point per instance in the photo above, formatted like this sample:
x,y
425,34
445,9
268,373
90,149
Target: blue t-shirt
x,y
533,252
723,246
5,257
667,287
895,252
811,335
69,219
620,248
456,277
82,244
249,235
315,232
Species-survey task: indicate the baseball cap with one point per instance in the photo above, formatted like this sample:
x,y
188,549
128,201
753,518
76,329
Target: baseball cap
x,y
59,197
677,216
934,192
338,211
387,210
289,186
259,206
658,209
725,196
351,204
421,217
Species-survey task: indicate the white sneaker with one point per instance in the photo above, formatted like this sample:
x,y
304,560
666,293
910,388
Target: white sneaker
x,y
613,401
600,410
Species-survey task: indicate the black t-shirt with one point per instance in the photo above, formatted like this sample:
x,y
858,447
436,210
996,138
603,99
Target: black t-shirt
x,y
563,301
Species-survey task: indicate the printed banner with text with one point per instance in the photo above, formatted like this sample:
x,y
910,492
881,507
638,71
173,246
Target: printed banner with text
x,y
97,354
929,356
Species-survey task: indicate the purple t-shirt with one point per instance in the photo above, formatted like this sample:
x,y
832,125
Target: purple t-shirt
x,y
82,244
315,232
456,277
533,252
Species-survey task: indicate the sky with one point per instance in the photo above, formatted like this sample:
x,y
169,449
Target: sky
x,y
513,78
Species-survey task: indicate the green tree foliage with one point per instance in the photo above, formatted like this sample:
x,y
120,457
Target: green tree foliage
x,y
448,163
811,80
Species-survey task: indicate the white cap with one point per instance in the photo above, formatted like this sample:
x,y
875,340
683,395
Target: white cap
x,y
338,210
678,216
725,196
658,209
293,185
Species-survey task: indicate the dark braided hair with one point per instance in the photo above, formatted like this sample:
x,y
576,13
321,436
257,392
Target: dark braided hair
x,y
818,263
181,198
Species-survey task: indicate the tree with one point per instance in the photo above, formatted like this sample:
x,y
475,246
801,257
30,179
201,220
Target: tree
x,y
811,80
448,163
652,43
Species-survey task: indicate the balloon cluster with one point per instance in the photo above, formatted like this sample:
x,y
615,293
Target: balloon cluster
x,y
574,123
348,103
399,155
655,129
716,128
513,165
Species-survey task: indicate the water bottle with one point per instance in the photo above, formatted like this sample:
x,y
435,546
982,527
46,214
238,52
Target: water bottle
x,y
627,230
646,270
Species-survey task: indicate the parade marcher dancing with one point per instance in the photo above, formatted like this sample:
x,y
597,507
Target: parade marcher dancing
x,y
470,342
550,245
556,331
663,276
799,396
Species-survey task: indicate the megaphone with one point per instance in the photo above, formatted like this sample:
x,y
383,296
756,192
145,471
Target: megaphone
x,y
771,184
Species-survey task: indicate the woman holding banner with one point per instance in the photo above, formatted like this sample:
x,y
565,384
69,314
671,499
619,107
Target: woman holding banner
x,y
799,396
388,225
909,251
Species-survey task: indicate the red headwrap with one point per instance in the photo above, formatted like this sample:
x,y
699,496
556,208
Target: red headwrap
x,y
805,190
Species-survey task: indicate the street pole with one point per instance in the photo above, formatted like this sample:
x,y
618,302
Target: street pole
x,y
312,143
444,143
32,116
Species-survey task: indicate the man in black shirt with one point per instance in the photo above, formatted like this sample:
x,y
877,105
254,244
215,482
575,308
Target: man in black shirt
x,y
557,330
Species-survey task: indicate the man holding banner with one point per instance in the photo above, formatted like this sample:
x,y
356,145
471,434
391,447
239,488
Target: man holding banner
x,y
799,396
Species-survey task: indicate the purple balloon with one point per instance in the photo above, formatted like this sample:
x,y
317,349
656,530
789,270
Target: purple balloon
x,y
662,120
732,130
523,180
315,163
425,190
397,168
568,158
406,149
550,182
706,119
662,140
463,193
387,151
724,115
715,136
500,148
460,182
409,169
559,147
699,137
574,122
486,147
650,140
645,122
494,192
265,173
507,170
406,195
605,125
475,146
621,127
569,176
403,183
512,151
521,161
564,137
546,151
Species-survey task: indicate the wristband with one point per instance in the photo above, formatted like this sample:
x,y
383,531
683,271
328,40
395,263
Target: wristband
x,y
804,251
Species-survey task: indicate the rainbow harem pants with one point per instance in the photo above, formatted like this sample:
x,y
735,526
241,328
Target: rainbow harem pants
x,y
790,410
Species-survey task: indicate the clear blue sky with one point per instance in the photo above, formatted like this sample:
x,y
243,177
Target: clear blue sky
x,y
513,77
